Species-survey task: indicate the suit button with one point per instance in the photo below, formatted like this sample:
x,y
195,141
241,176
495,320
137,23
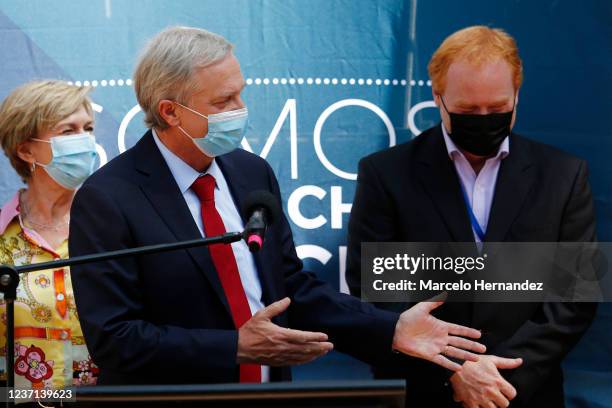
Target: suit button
x,y
60,296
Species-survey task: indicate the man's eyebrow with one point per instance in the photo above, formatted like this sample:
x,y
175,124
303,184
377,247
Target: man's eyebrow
x,y
230,92
464,103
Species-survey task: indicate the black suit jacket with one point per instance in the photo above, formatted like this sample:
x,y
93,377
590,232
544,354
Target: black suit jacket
x,y
411,193
164,318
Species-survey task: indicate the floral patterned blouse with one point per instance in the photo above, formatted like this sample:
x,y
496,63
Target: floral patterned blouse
x,y
50,350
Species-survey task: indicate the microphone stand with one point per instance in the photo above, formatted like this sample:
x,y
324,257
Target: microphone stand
x,y
9,280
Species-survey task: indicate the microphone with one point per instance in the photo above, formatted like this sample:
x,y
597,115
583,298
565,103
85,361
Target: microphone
x,y
261,208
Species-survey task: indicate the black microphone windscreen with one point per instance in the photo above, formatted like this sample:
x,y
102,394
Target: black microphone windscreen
x,y
262,199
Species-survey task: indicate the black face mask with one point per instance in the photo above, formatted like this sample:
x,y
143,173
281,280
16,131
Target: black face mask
x,y
479,134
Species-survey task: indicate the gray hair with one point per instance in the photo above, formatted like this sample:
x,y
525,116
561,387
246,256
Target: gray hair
x,y
167,64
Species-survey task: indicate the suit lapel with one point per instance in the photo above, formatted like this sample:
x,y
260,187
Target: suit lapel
x,y
441,182
514,180
161,190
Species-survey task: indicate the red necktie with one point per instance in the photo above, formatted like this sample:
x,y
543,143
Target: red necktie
x,y
225,264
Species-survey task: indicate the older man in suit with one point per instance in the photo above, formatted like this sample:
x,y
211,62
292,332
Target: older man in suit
x,y
217,314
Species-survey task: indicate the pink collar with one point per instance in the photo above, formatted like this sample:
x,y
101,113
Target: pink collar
x,y
9,211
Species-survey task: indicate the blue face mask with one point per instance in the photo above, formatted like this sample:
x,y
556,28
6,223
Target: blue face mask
x,y
73,159
225,131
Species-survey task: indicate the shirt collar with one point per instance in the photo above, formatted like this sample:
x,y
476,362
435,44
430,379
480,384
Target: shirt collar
x,y
184,174
9,211
453,150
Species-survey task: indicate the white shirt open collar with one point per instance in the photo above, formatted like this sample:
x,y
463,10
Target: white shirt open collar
x,y
184,174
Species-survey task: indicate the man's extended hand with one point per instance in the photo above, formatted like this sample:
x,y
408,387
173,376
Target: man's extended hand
x,y
262,342
479,384
419,334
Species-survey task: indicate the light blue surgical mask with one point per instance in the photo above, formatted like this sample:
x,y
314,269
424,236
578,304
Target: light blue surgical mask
x,y
225,131
73,159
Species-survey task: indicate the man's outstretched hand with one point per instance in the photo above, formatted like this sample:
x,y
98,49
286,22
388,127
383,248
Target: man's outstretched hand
x,y
419,334
262,342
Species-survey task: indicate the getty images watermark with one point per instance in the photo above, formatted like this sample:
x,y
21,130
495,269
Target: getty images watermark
x,y
493,272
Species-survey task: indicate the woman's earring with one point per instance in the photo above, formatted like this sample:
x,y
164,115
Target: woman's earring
x,y
33,167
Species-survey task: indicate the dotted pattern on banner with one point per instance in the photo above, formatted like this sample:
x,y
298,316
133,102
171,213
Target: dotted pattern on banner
x,y
280,81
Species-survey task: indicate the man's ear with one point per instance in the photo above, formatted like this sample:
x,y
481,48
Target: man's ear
x,y
516,98
436,97
167,110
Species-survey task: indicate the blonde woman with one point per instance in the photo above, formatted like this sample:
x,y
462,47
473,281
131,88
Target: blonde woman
x,y
46,133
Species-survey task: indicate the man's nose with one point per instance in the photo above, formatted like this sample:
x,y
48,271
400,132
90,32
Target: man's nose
x,y
483,110
239,103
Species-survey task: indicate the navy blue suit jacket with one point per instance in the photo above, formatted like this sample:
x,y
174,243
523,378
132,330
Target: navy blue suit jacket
x,y
164,318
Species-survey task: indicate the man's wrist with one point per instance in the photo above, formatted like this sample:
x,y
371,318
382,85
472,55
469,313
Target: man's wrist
x,y
240,354
395,342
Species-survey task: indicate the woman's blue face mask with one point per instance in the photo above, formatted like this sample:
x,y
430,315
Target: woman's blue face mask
x,y
73,159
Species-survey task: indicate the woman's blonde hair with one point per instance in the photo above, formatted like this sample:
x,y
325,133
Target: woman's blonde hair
x,y
476,45
34,108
